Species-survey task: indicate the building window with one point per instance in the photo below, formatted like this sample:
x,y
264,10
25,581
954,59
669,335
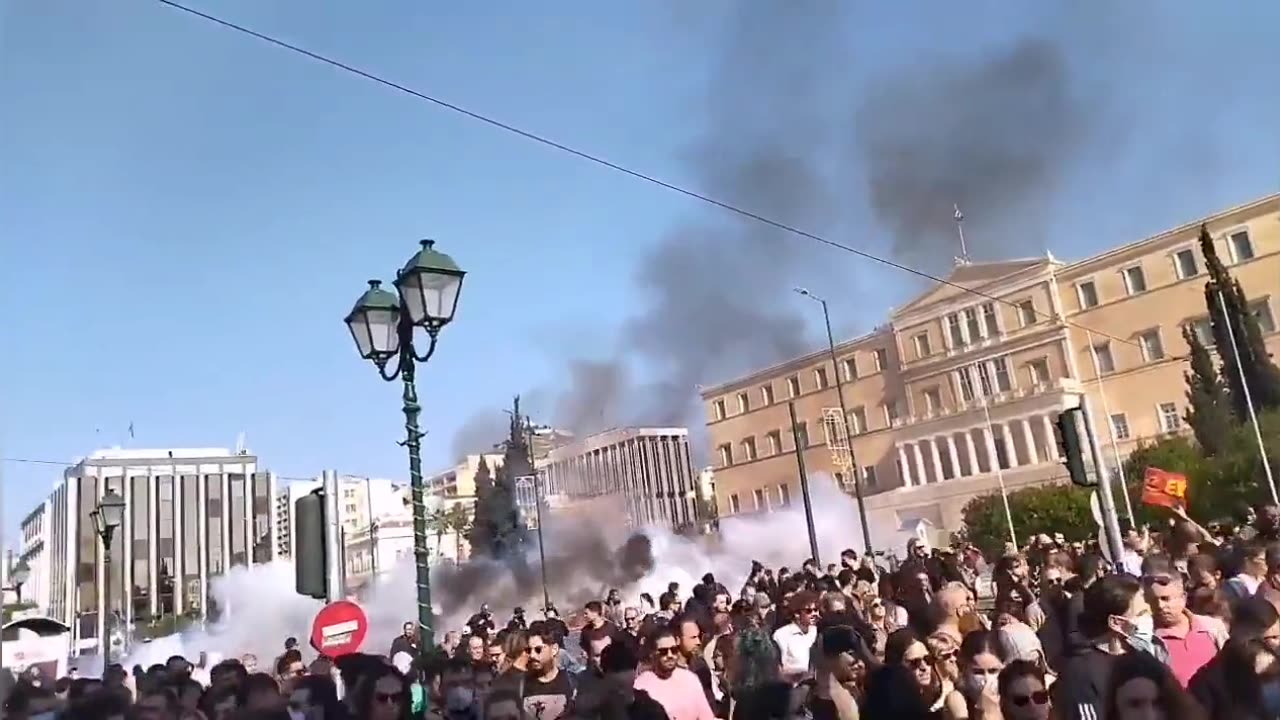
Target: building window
x,y
869,476
858,419
1241,246
793,386
1134,281
1152,347
735,504
933,400
891,414
1038,371
1027,313
1087,294
726,455
820,378
1170,420
1184,263
718,406
766,394
849,366
749,449
1120,426
1004,383
971,324
802,432
955,331
784,495
1262,312
762,502
773,441
1203,330
922,345
966,384
882,359
1106,363
990,320
744,403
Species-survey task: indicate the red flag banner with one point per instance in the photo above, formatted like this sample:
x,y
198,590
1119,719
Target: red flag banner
x,y
1164,488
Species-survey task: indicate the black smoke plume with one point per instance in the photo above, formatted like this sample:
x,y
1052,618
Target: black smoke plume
x,y
582,562
995,135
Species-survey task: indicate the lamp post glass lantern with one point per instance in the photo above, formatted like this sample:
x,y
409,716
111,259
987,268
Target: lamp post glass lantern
x,y
382,324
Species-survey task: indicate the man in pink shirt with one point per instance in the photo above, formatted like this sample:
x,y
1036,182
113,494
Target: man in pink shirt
x,y
676,689
1192,640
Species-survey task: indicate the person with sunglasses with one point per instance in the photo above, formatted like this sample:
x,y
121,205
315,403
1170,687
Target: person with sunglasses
x,y
1023,695
678,690
796,638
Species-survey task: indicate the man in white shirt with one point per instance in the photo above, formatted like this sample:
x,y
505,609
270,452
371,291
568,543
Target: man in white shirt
x,y
796,638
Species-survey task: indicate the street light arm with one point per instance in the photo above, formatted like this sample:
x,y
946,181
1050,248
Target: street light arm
x,y
433,333
390,376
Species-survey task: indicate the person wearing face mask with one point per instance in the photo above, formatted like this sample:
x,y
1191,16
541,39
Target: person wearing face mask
x,y
1116,620
976,693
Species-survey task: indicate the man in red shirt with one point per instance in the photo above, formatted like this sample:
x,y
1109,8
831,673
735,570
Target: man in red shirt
x,y
1192,640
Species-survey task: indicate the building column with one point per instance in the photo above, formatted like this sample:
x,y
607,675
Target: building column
x,y
937,459
202,538
919,457
989,445
1033,456
953,456
153,532
974,467
903,466
179,553
1010,452
1050,445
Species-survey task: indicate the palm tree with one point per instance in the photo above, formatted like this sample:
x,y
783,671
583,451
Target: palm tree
x,y
438,523
459,521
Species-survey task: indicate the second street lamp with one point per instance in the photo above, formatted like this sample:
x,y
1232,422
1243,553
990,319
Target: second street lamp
x,y
108,516
844,423
382,324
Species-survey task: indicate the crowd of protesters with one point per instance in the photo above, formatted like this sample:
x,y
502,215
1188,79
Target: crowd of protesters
x,y
1184,625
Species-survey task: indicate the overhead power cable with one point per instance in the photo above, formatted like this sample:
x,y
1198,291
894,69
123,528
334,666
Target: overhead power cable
x,y
599,160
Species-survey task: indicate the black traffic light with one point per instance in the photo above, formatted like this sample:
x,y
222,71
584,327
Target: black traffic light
x,y
1070,448
310,552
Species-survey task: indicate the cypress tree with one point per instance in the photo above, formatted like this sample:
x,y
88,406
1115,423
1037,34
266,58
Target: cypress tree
x,y
1209,412
483,528
1231,316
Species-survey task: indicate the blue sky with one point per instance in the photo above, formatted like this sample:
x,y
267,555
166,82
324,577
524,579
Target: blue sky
x,y
186,214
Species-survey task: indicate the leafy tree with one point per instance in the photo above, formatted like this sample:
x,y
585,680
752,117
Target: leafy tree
x,y
457,520
1209,411
1232,317
497,529
1045,509
10,609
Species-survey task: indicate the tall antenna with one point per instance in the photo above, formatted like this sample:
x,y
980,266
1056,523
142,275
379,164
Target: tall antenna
x,y
964,249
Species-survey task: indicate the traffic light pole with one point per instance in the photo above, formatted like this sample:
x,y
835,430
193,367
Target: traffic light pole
x,y
1110,519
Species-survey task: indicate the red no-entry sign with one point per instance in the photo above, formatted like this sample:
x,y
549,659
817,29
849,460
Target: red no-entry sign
x,y
339,629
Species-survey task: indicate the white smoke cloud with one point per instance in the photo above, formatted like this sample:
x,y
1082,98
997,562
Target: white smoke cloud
x,y
262,608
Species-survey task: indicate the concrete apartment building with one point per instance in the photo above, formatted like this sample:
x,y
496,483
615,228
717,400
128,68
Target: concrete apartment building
x,y
647,469
956,384
190,514
363,501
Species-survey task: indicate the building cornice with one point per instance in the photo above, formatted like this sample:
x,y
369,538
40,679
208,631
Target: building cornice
x,y
795,364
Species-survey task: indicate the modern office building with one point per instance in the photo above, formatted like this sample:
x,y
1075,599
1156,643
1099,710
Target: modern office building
x,y
961,385
190,514
33,554
649,469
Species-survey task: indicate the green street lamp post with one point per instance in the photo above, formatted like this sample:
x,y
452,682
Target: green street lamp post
x,y
108,516
382,324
